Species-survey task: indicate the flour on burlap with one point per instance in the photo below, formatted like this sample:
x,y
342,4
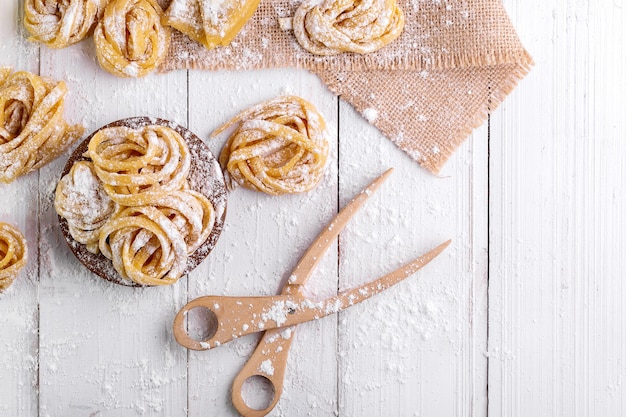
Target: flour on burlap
x,y
454,63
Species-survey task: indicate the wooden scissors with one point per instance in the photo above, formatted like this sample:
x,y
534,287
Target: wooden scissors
x,y
234,317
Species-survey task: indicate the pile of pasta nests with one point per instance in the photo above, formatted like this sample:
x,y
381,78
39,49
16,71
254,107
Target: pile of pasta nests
x,y
131,201
132,37
277,147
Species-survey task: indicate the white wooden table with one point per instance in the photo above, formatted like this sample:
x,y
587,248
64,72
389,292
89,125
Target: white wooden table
x,y
522,316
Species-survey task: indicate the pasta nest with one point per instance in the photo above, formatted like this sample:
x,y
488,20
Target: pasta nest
x,y
81,199
133,163
278,147
150,244
131,39
60,23
33,130
13,254
336,26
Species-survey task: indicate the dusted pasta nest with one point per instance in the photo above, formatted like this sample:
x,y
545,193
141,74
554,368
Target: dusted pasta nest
x,y
278,147
141,202
13,254
131,39
335,26
60,23
81,200
33,130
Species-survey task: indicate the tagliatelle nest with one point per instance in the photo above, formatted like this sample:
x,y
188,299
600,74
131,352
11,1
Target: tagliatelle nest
x,y
278,147
131,39
60,23
33,130
337,26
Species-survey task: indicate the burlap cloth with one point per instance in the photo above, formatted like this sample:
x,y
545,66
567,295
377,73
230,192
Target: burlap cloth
x,y
454,63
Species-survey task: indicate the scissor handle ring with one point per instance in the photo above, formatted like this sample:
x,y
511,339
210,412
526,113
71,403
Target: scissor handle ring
x,y
240,403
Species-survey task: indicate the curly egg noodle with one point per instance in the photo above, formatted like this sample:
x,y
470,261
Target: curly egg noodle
x,y
131,40
152,221
13,254
279,147
33,130
337,26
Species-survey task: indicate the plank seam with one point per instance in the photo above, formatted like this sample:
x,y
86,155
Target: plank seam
x,y
187,289
488,251
337,334
38,282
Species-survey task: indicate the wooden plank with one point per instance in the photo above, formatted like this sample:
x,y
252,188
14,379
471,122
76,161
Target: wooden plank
x,y
557,183
416,349
105,349
19,314
263,239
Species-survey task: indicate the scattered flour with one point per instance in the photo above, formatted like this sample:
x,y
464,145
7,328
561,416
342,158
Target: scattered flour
x,y
370,114
267,367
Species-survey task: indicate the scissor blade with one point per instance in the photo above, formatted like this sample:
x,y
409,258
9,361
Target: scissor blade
x,y
418,263
356,295
320,245
306,310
